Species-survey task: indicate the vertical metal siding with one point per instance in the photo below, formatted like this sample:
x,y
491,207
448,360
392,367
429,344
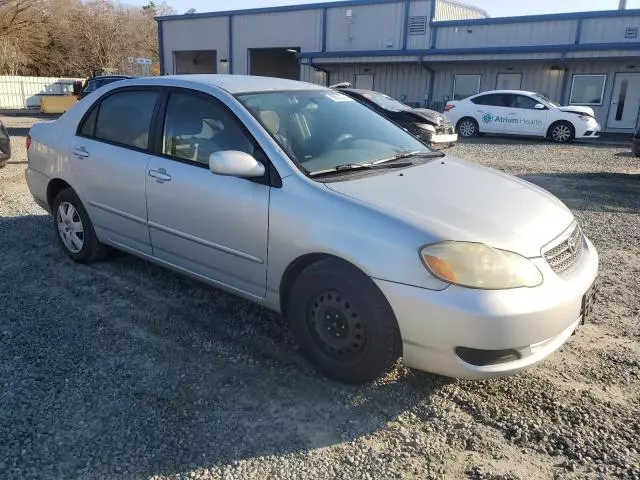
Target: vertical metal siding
x,y
513,34
372,27
599,30
452,11
396,80
420,8
311,75
535,77
302,28
608,68
194,34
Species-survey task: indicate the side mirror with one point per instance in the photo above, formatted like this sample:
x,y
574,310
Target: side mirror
x,y
234,163
539,106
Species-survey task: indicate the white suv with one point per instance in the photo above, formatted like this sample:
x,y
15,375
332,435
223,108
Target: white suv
x,y
516,112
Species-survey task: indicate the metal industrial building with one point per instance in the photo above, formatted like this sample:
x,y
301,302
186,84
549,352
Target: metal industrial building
x,y
421,51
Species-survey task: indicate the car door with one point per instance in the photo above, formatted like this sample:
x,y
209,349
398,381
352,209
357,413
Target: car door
x,y
211,225
525,118
109,156
490,112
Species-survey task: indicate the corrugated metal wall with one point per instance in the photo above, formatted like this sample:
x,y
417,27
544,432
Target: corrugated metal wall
x,y
596,30
608,68
535,76
420,8
396,80
371,27
513,34
455,11
195,34
269,30
311,75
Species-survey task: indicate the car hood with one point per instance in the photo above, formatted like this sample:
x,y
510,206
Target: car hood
x,y
431,116
577,109
451,199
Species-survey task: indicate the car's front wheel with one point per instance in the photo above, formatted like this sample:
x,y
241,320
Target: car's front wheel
x,y
343,323
74,229
468,127
561,132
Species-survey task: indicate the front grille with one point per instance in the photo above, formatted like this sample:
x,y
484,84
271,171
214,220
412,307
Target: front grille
x,y
564,256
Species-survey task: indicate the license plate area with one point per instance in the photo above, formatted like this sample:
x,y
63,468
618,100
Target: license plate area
x,y
588,301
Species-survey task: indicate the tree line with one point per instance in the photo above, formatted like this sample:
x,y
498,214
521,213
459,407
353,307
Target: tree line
x,y
74,38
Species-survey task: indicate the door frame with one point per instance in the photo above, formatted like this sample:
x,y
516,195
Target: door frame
x,y
373,79
606,119
510,73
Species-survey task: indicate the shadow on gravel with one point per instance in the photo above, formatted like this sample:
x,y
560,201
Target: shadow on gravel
x,y
597,192
122,369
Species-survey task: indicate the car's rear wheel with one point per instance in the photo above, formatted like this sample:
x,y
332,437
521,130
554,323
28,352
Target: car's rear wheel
x,y
468,127
561,132
343,323
74,229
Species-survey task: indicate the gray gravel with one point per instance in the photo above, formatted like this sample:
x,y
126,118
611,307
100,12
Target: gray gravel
x,y
125,370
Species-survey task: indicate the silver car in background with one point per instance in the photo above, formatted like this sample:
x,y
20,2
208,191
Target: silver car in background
x,y
303,200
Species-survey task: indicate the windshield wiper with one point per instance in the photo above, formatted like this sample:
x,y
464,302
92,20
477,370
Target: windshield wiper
x,y
407,154
359,166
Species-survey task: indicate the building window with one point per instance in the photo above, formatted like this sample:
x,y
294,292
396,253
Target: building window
x,y
587,89
417,25
465,85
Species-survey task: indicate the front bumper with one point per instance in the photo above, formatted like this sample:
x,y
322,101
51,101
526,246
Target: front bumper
x,y
531,321
588,129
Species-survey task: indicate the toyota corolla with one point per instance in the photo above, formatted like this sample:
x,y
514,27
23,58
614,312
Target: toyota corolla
x,y
301,199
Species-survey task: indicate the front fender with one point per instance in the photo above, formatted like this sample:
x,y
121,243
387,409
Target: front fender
x,y
306,218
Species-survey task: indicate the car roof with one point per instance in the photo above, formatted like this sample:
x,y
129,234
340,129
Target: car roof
x,y
107,77
231,83
520,92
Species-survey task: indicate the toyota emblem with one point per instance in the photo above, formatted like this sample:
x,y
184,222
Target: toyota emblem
x,y
571,244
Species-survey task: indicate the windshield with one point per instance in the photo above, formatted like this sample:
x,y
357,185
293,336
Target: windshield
x,y
386,102
544,98
322,130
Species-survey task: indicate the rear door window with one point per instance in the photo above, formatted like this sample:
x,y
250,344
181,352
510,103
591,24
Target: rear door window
x,y
122,118
493,99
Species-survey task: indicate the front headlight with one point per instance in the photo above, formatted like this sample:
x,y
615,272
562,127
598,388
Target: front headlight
x,y
477,265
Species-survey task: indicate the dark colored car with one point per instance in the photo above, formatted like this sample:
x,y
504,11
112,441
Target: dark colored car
x,y
635,145
5,146
94,83
428,125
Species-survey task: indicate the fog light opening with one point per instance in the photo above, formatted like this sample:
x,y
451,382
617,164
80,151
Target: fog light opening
x,y
481,358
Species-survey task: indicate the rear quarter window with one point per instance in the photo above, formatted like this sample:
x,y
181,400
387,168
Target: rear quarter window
x,y
122,118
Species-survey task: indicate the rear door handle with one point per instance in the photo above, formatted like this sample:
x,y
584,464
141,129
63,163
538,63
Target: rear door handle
x,y
160,175
80,152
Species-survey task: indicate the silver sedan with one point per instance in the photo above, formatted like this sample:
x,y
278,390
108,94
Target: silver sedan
x,y
303,200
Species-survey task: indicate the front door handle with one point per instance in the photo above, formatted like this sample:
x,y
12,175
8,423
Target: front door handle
x,y
80,152
160,175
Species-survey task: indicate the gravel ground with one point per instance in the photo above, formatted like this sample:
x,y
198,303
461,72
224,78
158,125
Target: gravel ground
x,y
124,370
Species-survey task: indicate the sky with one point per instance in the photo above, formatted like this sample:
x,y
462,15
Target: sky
x,y
495,8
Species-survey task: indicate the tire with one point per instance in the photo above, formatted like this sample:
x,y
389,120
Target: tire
x,y
561,132
343,323
467,127
74,229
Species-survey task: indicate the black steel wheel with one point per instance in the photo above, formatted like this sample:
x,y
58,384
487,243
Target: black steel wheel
x,y
343,322
336,326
